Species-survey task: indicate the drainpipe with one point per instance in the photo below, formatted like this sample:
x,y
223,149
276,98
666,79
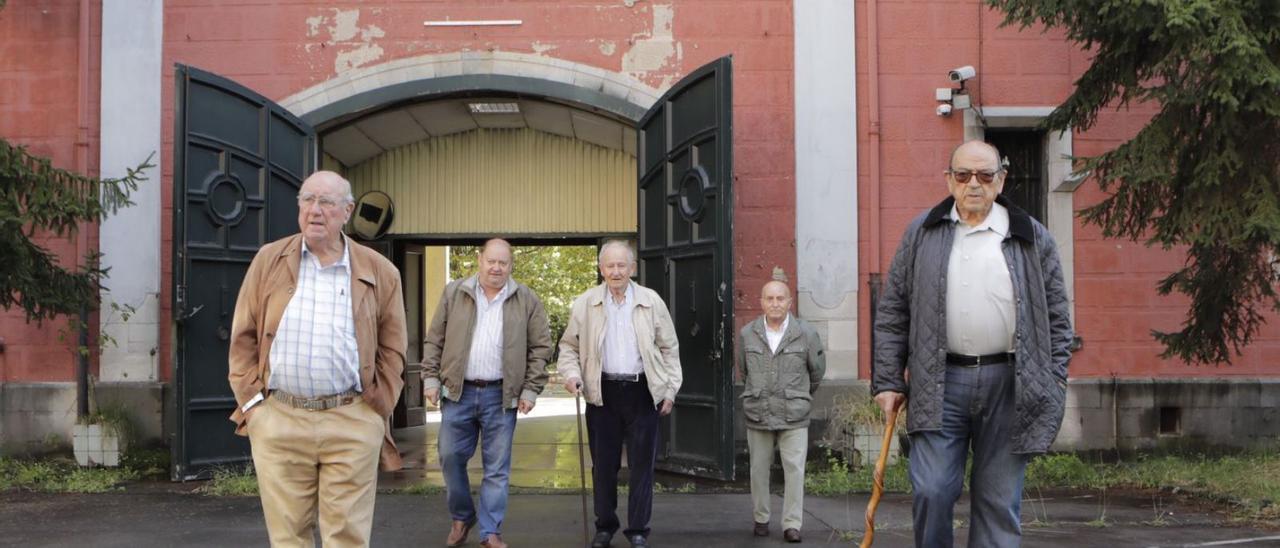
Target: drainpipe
x,y
873,108
82,167
873,167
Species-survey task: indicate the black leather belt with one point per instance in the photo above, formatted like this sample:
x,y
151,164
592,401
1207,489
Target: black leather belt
x,y
963,360
321,403
478,383
622,377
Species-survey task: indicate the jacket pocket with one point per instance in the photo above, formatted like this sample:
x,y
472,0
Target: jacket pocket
x,y
798,404
754,407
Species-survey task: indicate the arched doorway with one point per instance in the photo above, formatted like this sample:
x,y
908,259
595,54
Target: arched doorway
x,y
238,152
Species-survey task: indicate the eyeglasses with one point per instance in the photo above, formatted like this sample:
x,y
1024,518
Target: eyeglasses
x,y
963,176
308,199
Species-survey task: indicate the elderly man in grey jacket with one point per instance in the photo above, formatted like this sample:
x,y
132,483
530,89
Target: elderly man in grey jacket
x,y
973,324
782,362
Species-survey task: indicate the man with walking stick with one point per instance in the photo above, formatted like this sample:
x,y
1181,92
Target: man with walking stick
x,y
620,350
973,323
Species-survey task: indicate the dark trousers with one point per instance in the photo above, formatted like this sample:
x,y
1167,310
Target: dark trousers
x,y
627,416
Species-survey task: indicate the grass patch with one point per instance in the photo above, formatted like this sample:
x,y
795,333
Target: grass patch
x,y
61,475
420,488
838,478
231,482
1250,482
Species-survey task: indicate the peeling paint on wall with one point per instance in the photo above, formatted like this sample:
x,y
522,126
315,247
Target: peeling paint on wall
x,y
608,47
541,48
356,44
654,50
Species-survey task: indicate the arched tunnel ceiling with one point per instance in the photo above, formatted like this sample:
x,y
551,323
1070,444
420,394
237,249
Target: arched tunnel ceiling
x,y
372,135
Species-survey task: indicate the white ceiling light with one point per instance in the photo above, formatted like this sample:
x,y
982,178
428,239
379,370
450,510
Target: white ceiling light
x,y
494,108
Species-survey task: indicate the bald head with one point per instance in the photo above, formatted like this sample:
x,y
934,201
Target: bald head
x,y
498,245
976,147
775,301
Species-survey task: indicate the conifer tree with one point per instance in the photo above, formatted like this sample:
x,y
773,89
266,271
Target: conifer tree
x,y
1204,174
37,201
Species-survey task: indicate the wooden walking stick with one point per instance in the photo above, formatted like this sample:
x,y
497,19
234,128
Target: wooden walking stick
x,y
878,488
582,463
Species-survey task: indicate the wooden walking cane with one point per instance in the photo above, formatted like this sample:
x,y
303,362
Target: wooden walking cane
x,y
878,487
582,463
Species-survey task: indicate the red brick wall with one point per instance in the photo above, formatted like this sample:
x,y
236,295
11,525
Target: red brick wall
x,y
39,56
281,49
1116,301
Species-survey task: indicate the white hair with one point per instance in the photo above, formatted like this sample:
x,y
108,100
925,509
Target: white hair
x,y
631,253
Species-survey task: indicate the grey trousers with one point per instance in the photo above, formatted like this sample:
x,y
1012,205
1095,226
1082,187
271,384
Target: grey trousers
x,y
792,444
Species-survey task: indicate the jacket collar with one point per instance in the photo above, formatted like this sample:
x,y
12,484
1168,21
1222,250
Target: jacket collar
x,y
792,332
1019,221
599,292
469,287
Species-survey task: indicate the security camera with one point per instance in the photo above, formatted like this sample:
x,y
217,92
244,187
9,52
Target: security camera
x,y
943,110
962,73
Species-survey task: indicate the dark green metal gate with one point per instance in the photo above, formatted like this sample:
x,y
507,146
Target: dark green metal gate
x,y
239,160
685,246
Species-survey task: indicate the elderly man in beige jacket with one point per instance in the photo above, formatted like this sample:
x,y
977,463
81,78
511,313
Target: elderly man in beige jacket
x,y
620,349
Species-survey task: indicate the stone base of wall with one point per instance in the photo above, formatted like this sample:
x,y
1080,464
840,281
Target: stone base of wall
x,y
1200,415
37,417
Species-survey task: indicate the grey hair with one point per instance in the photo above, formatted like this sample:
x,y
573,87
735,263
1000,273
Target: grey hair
x,y
631,253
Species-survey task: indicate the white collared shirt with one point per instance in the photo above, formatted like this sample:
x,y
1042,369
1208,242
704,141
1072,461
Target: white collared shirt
x,y
981,314
621,349
314,352
774,338
484,362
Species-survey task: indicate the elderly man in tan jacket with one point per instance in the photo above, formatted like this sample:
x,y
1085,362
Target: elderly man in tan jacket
x,y
317,350
620,349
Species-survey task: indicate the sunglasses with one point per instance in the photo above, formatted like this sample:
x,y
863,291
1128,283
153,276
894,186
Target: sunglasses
x,y
963,176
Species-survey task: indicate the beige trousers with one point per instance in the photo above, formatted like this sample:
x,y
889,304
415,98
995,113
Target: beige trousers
x,y
792,445
309,461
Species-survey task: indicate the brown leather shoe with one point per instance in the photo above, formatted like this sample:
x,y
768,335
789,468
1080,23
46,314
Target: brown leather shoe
x,y
761,530
493,541
458,533
791,535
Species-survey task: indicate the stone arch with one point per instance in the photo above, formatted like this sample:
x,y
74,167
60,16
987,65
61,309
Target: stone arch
x,y
355,92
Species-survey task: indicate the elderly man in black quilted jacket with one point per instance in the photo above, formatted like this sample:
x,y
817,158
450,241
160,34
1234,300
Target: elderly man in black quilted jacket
x,y
973,324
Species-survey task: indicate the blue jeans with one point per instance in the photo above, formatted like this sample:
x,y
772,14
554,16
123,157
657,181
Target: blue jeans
x,y
977,413
478,413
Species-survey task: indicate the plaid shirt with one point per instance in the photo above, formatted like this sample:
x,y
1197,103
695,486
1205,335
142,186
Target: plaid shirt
x,y
314,352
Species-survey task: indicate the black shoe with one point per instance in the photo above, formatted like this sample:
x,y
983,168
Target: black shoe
x,y
638,541
602,540
791,535
761,529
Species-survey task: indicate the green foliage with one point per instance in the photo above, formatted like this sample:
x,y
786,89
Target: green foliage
x,y
37,201
838,478
146,462
1202,174
114,417
557,274
231,482
1062,470
60,475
